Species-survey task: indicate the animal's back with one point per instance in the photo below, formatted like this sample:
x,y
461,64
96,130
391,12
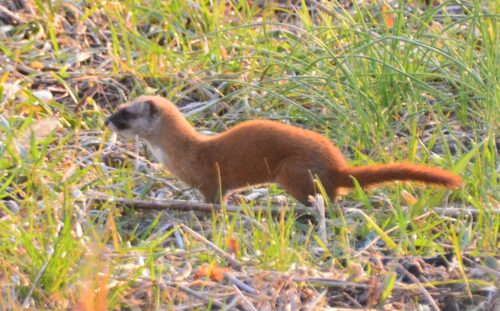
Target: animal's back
x,y
253,151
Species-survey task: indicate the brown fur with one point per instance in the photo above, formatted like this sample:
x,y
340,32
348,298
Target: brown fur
x,y
256,152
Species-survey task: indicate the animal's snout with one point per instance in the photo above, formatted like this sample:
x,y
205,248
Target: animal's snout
x,y
115,123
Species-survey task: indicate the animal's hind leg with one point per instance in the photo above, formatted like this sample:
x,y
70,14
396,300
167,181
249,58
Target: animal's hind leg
x,y
296,180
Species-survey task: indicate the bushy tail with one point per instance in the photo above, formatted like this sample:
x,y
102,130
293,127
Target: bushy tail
x,y
380,173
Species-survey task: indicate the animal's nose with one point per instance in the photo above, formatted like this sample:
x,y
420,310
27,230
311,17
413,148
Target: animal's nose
x,y
106,122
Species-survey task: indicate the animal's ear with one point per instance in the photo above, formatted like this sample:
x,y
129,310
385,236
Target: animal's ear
x,y
151,108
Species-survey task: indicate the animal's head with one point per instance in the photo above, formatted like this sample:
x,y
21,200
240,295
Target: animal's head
x,y
138,117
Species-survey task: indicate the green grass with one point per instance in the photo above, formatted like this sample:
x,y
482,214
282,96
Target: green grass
x,y
424,90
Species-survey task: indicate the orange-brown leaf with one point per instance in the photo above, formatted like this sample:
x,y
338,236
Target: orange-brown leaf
x,y
410,199
234,246
37,65
212,272
29,108
388,16
223,52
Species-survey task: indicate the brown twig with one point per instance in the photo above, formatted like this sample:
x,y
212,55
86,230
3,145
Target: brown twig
x,y
196,294
457,211
482,267
181,205
12,16
247,288
421,288
247,302
314,304
235,264
329,282
26,300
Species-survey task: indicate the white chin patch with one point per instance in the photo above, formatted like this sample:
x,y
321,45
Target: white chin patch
x,y
112,127
112,138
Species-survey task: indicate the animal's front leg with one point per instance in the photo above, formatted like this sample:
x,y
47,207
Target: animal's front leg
x,y
212,193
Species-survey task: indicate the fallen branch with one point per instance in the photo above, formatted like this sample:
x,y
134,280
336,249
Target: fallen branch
x,y
245,300
15,19
203,297
180,205
328,282
235,264
335,283
457,211
240,284
26,301
423,291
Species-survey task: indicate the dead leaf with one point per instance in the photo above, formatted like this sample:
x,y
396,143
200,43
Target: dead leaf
x,y
37,65
223,53
26,109
410,199
234,246
388,16
212,272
